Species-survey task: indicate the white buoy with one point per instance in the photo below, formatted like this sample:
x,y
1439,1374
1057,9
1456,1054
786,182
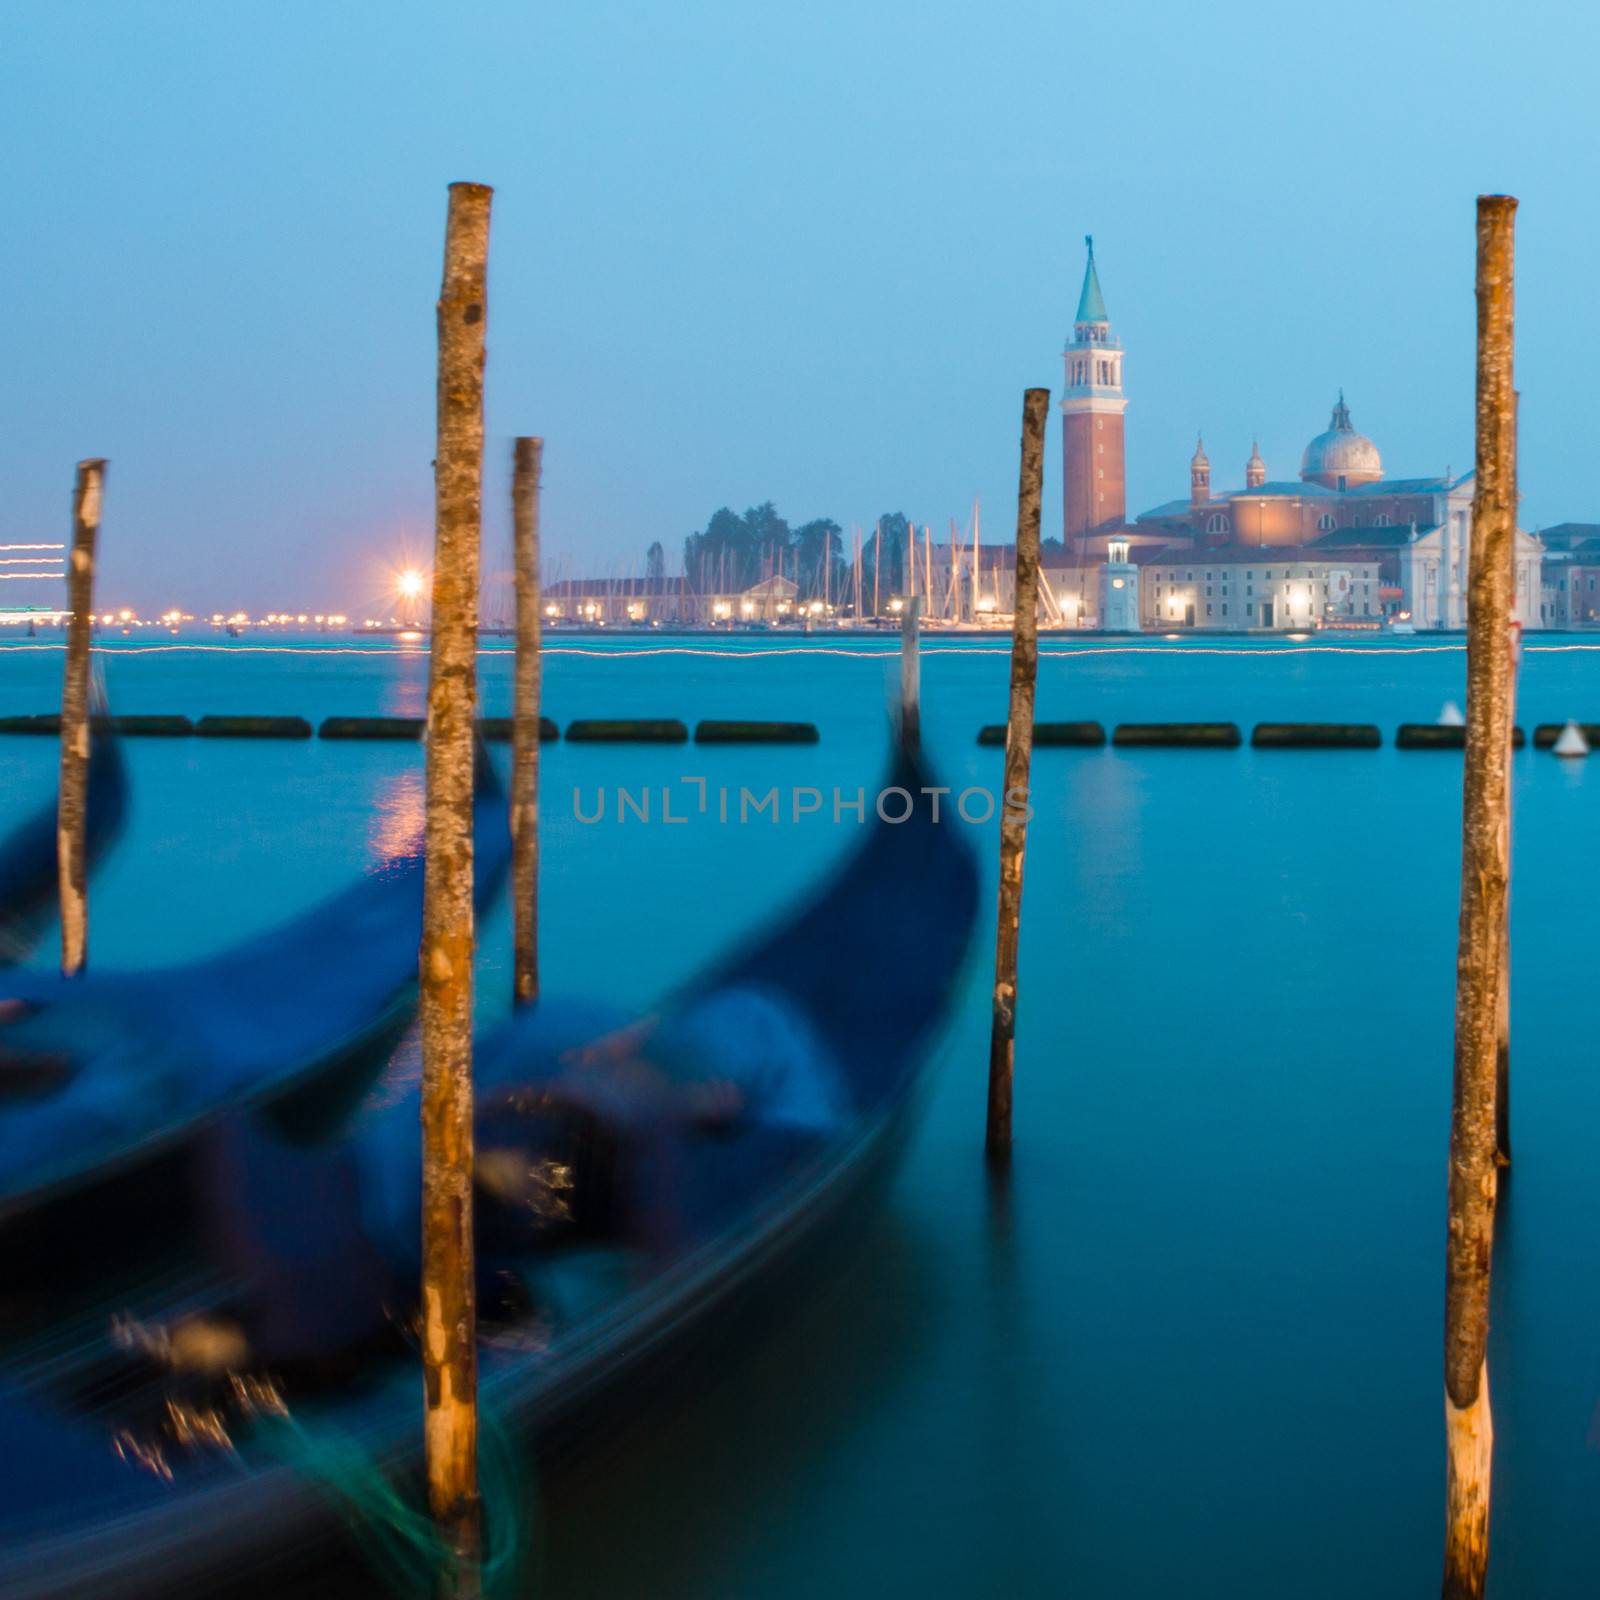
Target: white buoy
x,y
1571,742
1451,716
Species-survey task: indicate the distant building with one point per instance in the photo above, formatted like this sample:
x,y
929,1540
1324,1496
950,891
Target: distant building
x,y
1094,483
1569,595
1362,546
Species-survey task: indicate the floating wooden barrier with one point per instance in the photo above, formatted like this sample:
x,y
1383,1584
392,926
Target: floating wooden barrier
x,y
1177,735
498,729
627,730
1315,736
1546,734
1080,735
151,726
371,728
1437,736
229,727
713,732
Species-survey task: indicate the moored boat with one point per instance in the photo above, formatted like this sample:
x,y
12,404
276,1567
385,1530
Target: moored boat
x,y
185,1511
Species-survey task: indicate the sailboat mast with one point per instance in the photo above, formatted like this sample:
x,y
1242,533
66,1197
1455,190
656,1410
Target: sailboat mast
x,y
976,585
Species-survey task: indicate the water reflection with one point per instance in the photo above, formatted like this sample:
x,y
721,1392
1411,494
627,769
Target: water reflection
x,y
398,811
405,693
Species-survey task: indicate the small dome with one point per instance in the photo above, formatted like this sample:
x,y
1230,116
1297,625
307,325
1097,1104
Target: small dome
x,y
1341,453
1198,459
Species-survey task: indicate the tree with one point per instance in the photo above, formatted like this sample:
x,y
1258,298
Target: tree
x,y
816,542
655,564
893,533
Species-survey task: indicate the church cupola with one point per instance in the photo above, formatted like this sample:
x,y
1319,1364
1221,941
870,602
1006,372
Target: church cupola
x,y
1255,469
1199,474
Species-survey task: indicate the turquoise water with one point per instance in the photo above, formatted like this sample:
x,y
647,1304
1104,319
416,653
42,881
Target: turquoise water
x,y
1195,1348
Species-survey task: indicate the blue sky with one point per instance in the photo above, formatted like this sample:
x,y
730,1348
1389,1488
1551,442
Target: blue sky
x,y
811,253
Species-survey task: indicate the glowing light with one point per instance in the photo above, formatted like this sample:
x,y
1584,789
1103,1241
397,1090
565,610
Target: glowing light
x,y
409,585
1266,652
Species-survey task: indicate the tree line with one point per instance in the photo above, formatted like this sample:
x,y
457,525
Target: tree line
x,y
733,552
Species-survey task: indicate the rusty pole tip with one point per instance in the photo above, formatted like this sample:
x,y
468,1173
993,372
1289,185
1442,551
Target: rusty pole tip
x,y
1497,202
466,188
93,461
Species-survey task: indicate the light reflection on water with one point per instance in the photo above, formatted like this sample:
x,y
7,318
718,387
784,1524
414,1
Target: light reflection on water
x,y
1209,1307
398,814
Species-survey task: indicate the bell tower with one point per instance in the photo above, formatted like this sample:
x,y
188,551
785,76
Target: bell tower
x,y
1092,403
1199,475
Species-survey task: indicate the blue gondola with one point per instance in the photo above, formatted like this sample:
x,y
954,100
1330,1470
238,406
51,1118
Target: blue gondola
x,y
865,970
102,1072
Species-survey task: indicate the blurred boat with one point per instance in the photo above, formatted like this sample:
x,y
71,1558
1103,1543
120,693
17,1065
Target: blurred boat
x,y
29,884
869,964
102,1073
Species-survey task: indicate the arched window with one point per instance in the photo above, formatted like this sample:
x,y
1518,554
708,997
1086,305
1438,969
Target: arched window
x,y
1216,523
1383,519
1326,522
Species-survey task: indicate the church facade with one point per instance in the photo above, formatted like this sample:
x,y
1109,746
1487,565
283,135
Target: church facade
x,y
1341,544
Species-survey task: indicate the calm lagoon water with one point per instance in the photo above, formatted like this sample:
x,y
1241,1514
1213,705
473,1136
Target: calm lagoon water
x,y
1195,1348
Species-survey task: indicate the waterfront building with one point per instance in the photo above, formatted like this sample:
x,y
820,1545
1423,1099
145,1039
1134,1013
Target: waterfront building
x,y
1570,589
1332,524
1119,590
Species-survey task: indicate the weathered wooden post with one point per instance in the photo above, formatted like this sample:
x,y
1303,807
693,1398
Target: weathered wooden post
x,y
910,676
1502,1074
72,806
1019,758
449,1310
527,455
1482,947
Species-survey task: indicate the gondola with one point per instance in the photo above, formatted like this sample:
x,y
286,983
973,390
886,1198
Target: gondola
x,y
28,878
104,1072
871,962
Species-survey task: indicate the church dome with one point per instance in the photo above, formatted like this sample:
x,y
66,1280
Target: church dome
x,y
1341,457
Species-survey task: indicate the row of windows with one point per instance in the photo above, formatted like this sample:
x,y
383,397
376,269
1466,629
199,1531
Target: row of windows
x,y
1217,522
1320,573
1250,611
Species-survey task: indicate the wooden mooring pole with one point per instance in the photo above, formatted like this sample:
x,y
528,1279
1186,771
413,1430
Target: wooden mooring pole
x,y
910,675
449,1310
1019,758
527,455
72,807
1482,950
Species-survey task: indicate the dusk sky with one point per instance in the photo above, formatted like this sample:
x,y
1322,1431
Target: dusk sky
x,y
810,253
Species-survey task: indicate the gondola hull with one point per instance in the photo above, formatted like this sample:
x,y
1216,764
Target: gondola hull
x,y
223,1518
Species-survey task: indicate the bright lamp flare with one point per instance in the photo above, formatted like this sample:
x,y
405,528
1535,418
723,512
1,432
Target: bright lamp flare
x,y
410,584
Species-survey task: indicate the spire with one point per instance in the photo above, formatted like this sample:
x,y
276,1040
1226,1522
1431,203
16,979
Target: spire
x,y
1255,469
1199,474
1091,303
1341,416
